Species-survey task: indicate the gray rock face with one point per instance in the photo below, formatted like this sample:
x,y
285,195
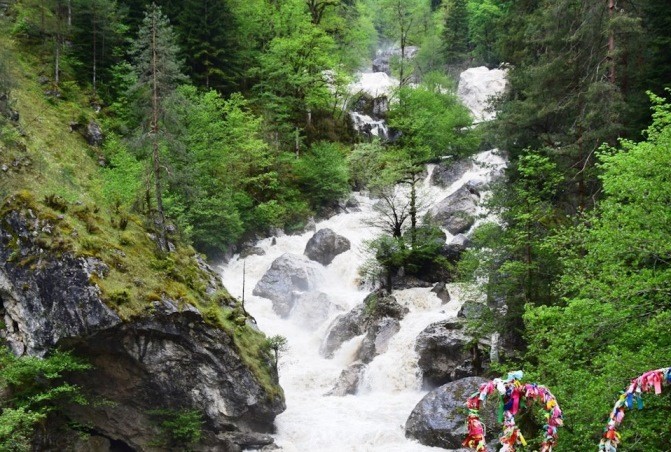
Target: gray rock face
x,y
349,379
168,359
52,301
382,62
252,251
378,335
446,353
457,212
448,172
377,317
172,360
439,419
289,273
453,250
473,310
441,291
344,327
94,134
325,245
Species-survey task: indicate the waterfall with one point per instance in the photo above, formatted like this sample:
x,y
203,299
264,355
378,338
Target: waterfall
x,y
374,418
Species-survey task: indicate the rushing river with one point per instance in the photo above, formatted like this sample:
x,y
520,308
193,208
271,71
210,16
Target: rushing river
x,y
374,418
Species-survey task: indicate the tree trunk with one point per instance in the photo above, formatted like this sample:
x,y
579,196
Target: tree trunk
x,y
95,47
413,212
57,61
160,214
611,43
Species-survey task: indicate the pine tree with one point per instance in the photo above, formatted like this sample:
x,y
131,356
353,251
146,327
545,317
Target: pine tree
x,y
455,31
98,31
207,30
156,63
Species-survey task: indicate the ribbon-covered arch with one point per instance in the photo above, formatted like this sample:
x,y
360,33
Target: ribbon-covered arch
x,y
512,392
651,380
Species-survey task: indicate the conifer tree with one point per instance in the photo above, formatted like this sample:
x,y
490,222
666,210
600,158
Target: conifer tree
x,y
207,32
455,31
156,63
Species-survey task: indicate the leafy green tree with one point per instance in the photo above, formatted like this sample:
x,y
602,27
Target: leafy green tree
x,y
512,258
223,183
484,30
322,174
156,63
403,22
292,83
276,344
34,388
432,122
123,175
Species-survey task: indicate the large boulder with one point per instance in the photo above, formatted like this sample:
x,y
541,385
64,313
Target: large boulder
x,y
448,172
439,419
94,134
288,274
325,245
446,353
456,213
345,327
349,380
378,335
453,250
478,86
170,360
377,317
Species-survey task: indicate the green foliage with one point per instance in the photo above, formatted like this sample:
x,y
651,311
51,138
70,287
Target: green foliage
x,y
432,121
32,389
322,174
123,175
611,326
455,30
365,162
484,30
179,428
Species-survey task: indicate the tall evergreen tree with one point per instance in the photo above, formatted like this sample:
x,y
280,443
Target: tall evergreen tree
x,y
155,57
98,31
207,30
455,31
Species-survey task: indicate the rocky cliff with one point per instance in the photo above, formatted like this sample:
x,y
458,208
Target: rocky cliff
x,y
169,356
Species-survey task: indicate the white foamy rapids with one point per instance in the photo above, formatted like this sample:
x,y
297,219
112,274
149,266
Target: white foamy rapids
x,y
365,124
372,420
477,87
374,84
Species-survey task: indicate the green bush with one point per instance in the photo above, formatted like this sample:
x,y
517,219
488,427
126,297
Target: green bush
x,y
179,428
322,174
32,389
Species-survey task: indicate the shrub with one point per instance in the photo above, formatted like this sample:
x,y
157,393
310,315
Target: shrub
x,y
322,174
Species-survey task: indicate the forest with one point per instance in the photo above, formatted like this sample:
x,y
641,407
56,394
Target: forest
x,y
226,121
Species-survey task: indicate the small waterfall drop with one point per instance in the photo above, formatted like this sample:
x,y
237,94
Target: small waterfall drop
x,y
373,419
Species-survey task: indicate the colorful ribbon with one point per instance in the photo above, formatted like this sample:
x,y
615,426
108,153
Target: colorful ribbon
x,y
651,380
511,392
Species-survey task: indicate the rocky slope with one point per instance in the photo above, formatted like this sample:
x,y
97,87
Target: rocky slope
x,y
171,356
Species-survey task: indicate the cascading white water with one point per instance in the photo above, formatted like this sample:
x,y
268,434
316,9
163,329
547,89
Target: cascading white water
x,y
374,418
